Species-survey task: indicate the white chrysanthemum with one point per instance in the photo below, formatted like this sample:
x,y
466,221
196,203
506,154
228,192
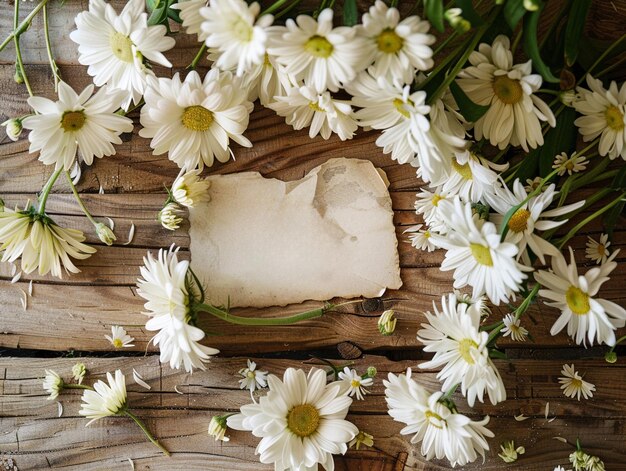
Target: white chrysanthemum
x,y
52,384
443,432
427,204
512,327
531,217
604,115
119,338
106,400
573,384
585,316
235,34
566,164
420,238
85,122
189,189
267,80
253,379
398,48
115,46
597,250
171,216
354,384
191,17
322,56
304,107
515,113
533,184
475,305
476,255
461,349
301,421
194,121
40,242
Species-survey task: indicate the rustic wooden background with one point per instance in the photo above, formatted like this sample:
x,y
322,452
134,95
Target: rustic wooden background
x,y
68,319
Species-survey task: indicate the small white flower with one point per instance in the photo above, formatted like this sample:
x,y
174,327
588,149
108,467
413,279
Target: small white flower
x,y
119,338
52,384
560,468
194,120
354,384
115,47
604,115
461,349
13,128
513,328
586,316
509,452
78,372
444,433
171,216
192,19
301,421
267,80
566,164
427,204
218,428
253,379
318,54
189,189
598,250
476,306
420,238
579,460
398,48
573,385
387,322
107,399
532,184
105,233
304,107
84,122
362,438
515,113
454,16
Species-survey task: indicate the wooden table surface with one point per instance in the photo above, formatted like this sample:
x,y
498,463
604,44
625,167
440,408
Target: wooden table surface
x,y
66,319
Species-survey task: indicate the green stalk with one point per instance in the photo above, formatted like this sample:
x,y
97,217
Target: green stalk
x,y
76,386
43,197
521,309
196,59
79,200
23,25
258,321
272,8
18,51
53,64
145,430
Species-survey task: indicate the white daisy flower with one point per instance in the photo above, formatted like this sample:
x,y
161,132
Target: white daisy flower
x,y
40,242
52,384
475,305
318,54
427,204
171,216
477,256
192,19
398,48
461,349
597,251
235,34
566,164
107,399
304,107
420,238
604,115
586,317
85,122
532,184
115,47
515,113
354,384
573,385
267,81
218,428
510,453
119,338
195,120
301,421
512,327
253,379
444,433
533,216
189,189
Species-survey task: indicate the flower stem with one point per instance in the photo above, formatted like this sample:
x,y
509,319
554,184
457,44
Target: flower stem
x,y
79,200
18,51
196,59
146,431
43,197
53,64
23,25
272,8
76,386
521,309
203,307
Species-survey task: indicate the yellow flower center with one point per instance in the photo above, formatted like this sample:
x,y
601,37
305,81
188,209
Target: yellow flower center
x,y
319,46
399,104
251,375
519,220
509,91
243,31
117,343
266,60
464,349
434,419
577,300
303,420
577,383
482,254
355,383
464,170
73,120
389,42
197,118
121,46
601,250
315,107
427,234
614,118
436,199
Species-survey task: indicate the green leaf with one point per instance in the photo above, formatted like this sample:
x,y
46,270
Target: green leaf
x,y
574,29
532,48
350,13
433,10
470,110
513,12
469,13
562,138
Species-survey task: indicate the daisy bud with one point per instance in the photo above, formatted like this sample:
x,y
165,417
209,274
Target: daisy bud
x,y
18,77
170,216
532,5
78,372
189,189
567,97
371,372
218,428
362,438
14,128
387,322
105,234
509,452
53,384
460,24
579,459
610,357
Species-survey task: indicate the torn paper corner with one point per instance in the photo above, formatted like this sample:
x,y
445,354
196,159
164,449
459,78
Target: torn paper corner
x,y
263,242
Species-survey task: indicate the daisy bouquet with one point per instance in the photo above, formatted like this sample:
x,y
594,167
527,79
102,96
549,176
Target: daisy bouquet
x,y
506,118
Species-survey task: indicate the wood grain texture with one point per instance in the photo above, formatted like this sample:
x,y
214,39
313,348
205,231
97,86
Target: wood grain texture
x,y
36,438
